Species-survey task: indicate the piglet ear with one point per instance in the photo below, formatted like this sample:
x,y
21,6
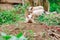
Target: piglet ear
x,y
31,8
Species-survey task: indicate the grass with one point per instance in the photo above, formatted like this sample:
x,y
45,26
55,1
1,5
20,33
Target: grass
x,y
8,17
14,15
50,19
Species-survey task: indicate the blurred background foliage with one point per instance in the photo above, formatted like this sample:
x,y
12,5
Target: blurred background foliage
x,y
54,5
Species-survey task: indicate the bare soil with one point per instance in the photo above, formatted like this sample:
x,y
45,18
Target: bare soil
x,y
38,28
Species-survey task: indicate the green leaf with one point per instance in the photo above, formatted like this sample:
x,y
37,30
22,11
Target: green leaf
x,y
6,37
19,35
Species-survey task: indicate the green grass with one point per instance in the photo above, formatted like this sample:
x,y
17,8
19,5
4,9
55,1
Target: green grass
x,y
14,15
50,19
8,17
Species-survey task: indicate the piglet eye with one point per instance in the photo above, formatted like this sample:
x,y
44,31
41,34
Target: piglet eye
x,y
31,8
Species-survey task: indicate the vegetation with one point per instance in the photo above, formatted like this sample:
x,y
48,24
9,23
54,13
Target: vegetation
x,y
8,17
11,16
51,19
19,36
54,5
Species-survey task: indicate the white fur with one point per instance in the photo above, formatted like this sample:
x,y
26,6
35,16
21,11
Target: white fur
x,y
38,10
29,9
38,7
30,16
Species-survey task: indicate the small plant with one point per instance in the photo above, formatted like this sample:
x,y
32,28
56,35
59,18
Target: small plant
x,y
30,35
43,34
19,34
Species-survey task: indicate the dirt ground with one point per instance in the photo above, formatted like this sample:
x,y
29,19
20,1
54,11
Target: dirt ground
x,y
41,31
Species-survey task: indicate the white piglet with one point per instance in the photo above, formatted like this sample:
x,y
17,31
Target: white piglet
x,y
38,10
